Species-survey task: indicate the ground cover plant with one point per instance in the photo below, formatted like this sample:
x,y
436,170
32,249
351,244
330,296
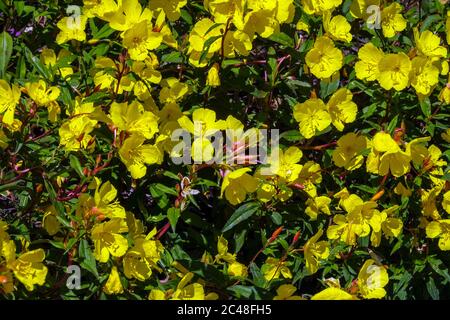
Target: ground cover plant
x,y
119,179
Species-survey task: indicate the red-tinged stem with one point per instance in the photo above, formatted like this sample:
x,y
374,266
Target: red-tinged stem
x,y
323,146
163,230
298,186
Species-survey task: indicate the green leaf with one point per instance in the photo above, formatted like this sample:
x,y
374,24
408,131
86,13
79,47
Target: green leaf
x,y
258,277
242,213
239,238
88,262
6,46
435,264
206,46
277,218
282,38
243,291
158,189
173,214
75,164
173,57
425,106
292,136
327,87
392,124
37,64
104,32
432,290
186,16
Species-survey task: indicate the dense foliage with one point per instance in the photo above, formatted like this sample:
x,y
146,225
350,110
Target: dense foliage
x,y
352,203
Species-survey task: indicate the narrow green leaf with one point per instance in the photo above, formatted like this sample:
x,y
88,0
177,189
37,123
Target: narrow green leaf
x,y
75,164
6,46
432,290
88,262
173,214
242,213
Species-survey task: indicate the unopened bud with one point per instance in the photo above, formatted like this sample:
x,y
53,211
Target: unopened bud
x,y
275,234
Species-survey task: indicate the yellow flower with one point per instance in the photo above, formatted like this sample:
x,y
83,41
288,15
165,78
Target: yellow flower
x,y
341,108
203,125
358,8
447,26
324,59
49,59
428,44
441,229
261,23
142,257
3,140
372,279
424,75
45,97
237,269
139,39
393,160
75,133
222,251
156,294
40,94
172,90
29,269
50,221
199,35
310,175
128,14
71,28
315,251
107,239
319,6
348,151
337,27
428,200
356,223
316,205
286,166
392,21
400,189
285,11
213,78
170,7
9,98
133,119
194,291
446,202
273,268
444,95
135,155
286,292
104,201
394,71
332,293
98,8
113,285
224,10
237,184
382,222
237,42
312,117
369,59
446,135
417,150
302,26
